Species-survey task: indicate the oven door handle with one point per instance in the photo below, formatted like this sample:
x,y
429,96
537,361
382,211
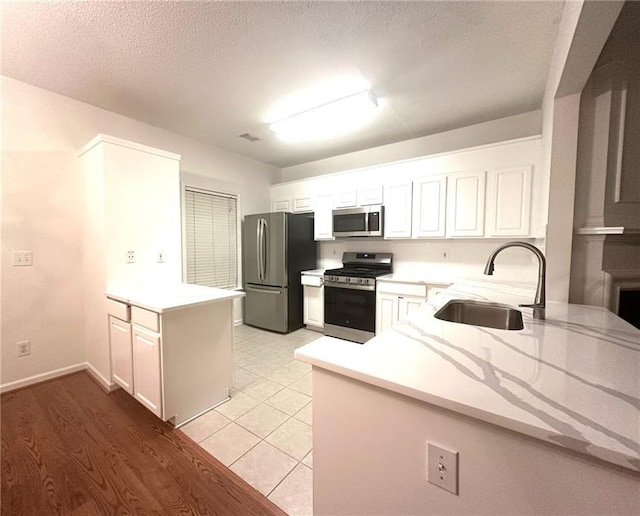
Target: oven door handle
x,y
350,286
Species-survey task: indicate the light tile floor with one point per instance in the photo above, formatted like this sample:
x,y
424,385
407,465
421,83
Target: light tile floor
x,y
264,432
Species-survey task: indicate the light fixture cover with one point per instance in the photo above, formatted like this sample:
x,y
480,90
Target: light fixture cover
x,y
337,117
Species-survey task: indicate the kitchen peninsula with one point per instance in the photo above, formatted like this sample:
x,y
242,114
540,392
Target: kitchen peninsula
x,y
171,347
546,419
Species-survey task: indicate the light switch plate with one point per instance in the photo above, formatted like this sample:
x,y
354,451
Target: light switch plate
x,y
442,467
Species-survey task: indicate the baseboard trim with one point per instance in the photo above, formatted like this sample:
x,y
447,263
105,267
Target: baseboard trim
x,y
38,378
99,379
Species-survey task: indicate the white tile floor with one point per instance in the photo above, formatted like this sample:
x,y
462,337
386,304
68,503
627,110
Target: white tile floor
x,y
264,433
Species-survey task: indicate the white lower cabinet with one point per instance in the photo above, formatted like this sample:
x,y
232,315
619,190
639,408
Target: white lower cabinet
x,y
147,369
177,363
121,353
313,304
397,300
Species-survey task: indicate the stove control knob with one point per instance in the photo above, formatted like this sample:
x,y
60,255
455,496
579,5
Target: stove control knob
x,y
362,281
348,280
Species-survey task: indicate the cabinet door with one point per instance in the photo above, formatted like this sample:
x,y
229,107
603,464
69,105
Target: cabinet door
x,y
370,195
429,205
465,204
323,217
314,306
345,199
302,204
397,210
121,353
281,205
386,312
407,305
509,202
147,370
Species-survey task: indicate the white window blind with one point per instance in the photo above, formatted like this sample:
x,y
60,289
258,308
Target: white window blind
x,y
211,238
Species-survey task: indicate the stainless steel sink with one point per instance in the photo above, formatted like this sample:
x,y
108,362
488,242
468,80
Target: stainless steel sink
x,y
481,313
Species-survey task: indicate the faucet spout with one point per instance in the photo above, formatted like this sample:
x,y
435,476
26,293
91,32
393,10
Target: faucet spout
x,y
539,303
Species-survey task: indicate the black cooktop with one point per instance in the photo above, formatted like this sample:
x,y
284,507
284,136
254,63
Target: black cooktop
x,y
356,272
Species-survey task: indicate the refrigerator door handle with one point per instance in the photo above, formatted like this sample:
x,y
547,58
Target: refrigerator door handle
x,y
264,291
265,250
258,247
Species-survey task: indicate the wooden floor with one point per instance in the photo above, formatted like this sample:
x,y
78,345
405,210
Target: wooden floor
x,y
69,448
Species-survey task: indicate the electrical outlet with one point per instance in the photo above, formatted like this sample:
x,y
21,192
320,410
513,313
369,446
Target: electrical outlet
x,y
22,258
160,257
24,348
131,257
442,468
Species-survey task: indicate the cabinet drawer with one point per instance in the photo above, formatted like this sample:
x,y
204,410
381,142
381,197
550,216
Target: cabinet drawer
x,y
402,289
120,310
312,281
146,318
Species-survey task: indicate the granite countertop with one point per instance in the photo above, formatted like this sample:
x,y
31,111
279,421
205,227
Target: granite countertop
x,y
572,380
314,272
172,297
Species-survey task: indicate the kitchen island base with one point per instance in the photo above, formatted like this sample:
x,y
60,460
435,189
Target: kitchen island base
x,y
370,448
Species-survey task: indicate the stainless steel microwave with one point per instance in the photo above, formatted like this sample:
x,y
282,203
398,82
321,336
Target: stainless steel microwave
x,y
366,221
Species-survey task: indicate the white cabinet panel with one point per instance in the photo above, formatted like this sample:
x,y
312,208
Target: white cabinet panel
x,y
147,370
407,305
465,204
386,311
302,204
345,199
397,216
370,195
429,207
313,313
121,353
323,217
281,205
509,202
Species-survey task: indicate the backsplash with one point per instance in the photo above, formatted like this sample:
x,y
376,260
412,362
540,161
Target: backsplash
x,y
424,258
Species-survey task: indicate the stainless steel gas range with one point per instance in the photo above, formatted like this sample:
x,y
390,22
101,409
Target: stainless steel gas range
x,y
350,295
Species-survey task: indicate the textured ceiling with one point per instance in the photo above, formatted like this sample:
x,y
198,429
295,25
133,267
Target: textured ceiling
x,y
214,70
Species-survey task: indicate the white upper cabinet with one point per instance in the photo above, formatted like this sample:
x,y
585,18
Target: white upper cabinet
x,y
397,210
281,204
345,198
509,202
465,204
302,204
323,217
429,207
370,195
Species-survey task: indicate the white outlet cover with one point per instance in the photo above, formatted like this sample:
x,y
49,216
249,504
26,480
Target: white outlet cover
x,y
22,258
24,348
442,467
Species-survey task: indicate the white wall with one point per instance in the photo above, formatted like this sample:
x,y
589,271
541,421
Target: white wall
x,y
42,211
509,128
583,30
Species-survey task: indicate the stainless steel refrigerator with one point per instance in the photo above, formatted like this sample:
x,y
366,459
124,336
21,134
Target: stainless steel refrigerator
x,y
277,247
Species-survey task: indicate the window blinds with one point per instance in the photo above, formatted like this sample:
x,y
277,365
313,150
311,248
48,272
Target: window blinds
x,y
211,238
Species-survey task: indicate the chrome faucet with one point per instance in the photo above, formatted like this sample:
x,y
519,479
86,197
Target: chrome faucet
x,y
540,299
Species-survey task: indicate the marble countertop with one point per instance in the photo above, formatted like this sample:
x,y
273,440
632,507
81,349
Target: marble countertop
x,y
403,277
572,380
314,272
172,297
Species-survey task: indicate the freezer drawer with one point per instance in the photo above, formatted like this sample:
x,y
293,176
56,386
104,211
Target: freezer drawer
x,y
266,307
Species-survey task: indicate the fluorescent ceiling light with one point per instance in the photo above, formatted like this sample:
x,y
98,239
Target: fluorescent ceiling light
x,y
336,117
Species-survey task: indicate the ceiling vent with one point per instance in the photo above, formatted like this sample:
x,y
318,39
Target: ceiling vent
x,y
249,137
